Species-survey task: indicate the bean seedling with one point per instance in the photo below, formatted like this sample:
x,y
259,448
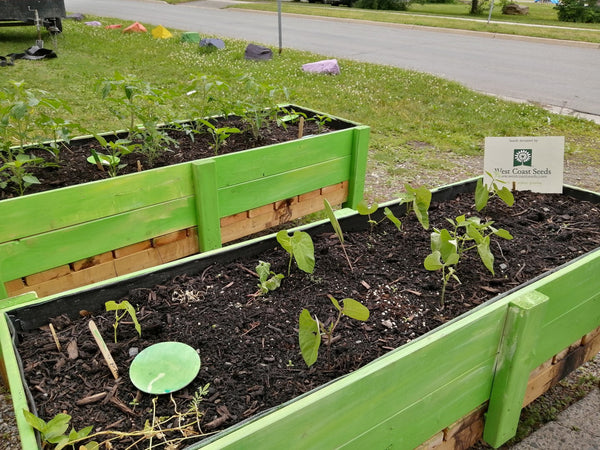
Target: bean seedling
x,y
268,280
448,246
311,331
300,247
53,431
121,310
483,192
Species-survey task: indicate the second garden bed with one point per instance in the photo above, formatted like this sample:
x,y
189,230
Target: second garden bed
x,y
249,350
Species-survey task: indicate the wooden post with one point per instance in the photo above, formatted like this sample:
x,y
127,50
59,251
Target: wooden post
x,y
513,366
204,175
358,166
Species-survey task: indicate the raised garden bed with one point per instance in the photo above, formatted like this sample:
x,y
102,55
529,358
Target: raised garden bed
x,y
72,236
424,375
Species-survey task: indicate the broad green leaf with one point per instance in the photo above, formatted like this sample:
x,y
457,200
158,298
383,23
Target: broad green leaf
x,y
390,215
334,222
303,251
506,195
364,209
30,179
56,427
433,261
503,234
486,255
355,310
421,205
34,421
111,305
285,241
309,337
473,233
481,195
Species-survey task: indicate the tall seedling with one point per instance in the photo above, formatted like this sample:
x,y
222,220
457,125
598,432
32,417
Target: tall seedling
x,y
121,310
337,228
300,248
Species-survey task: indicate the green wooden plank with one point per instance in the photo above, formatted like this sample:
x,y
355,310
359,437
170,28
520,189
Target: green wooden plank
x,y
18,300
53,249
358,168
207,204
15,386
274,159
46,211
441,408
400,383
262,191
515,363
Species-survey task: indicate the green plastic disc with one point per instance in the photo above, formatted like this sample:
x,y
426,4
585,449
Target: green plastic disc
x,y
164,367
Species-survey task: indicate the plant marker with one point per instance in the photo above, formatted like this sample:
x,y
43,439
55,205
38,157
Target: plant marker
x,y
104,349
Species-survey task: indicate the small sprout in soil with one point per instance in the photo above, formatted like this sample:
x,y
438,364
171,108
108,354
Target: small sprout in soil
x,y
448,246
126,308
483,192
365,210
300,247
219,135
337,228
417,200
310,331
53,431
268,280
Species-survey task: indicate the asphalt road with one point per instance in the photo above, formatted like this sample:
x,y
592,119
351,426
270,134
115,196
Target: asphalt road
x,y
562,75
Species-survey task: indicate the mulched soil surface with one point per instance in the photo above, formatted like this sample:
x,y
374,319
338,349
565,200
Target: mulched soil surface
x,y
249,345
73,168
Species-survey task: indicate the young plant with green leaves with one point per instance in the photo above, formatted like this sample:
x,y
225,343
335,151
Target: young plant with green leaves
x,y
114,151
337,228
17,173
141,106
417,200
485,192
218,134
365,210
448,246
321,120
209,95
121,310
257,105
53,431
311,330
300,248
267,279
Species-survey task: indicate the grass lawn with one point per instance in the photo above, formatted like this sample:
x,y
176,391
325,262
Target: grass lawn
x,y
425,130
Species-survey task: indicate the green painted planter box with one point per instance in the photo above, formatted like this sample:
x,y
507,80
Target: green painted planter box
x,y
405,397
80,225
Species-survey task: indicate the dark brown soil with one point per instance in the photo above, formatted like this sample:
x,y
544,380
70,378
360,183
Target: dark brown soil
x,y
249,345
73,168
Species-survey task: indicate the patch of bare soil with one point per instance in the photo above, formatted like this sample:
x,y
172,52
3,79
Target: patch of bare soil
x,y
249,345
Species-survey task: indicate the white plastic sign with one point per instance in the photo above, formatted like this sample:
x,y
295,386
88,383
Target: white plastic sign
x,y
526,163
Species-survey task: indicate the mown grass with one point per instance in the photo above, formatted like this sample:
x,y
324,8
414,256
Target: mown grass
x,y
422,126
454,16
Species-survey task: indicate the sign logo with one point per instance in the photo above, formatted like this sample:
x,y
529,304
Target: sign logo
x,y
522,157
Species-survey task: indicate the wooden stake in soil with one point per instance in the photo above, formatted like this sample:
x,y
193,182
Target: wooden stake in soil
x,y
54,336
301,127
104,349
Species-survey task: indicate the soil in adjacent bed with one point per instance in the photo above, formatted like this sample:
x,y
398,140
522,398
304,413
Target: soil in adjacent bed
x,y
73,168
249,345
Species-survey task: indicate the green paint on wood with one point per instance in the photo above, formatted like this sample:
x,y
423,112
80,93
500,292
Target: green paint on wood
x,y
207,205
515,363
14,384
358,167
